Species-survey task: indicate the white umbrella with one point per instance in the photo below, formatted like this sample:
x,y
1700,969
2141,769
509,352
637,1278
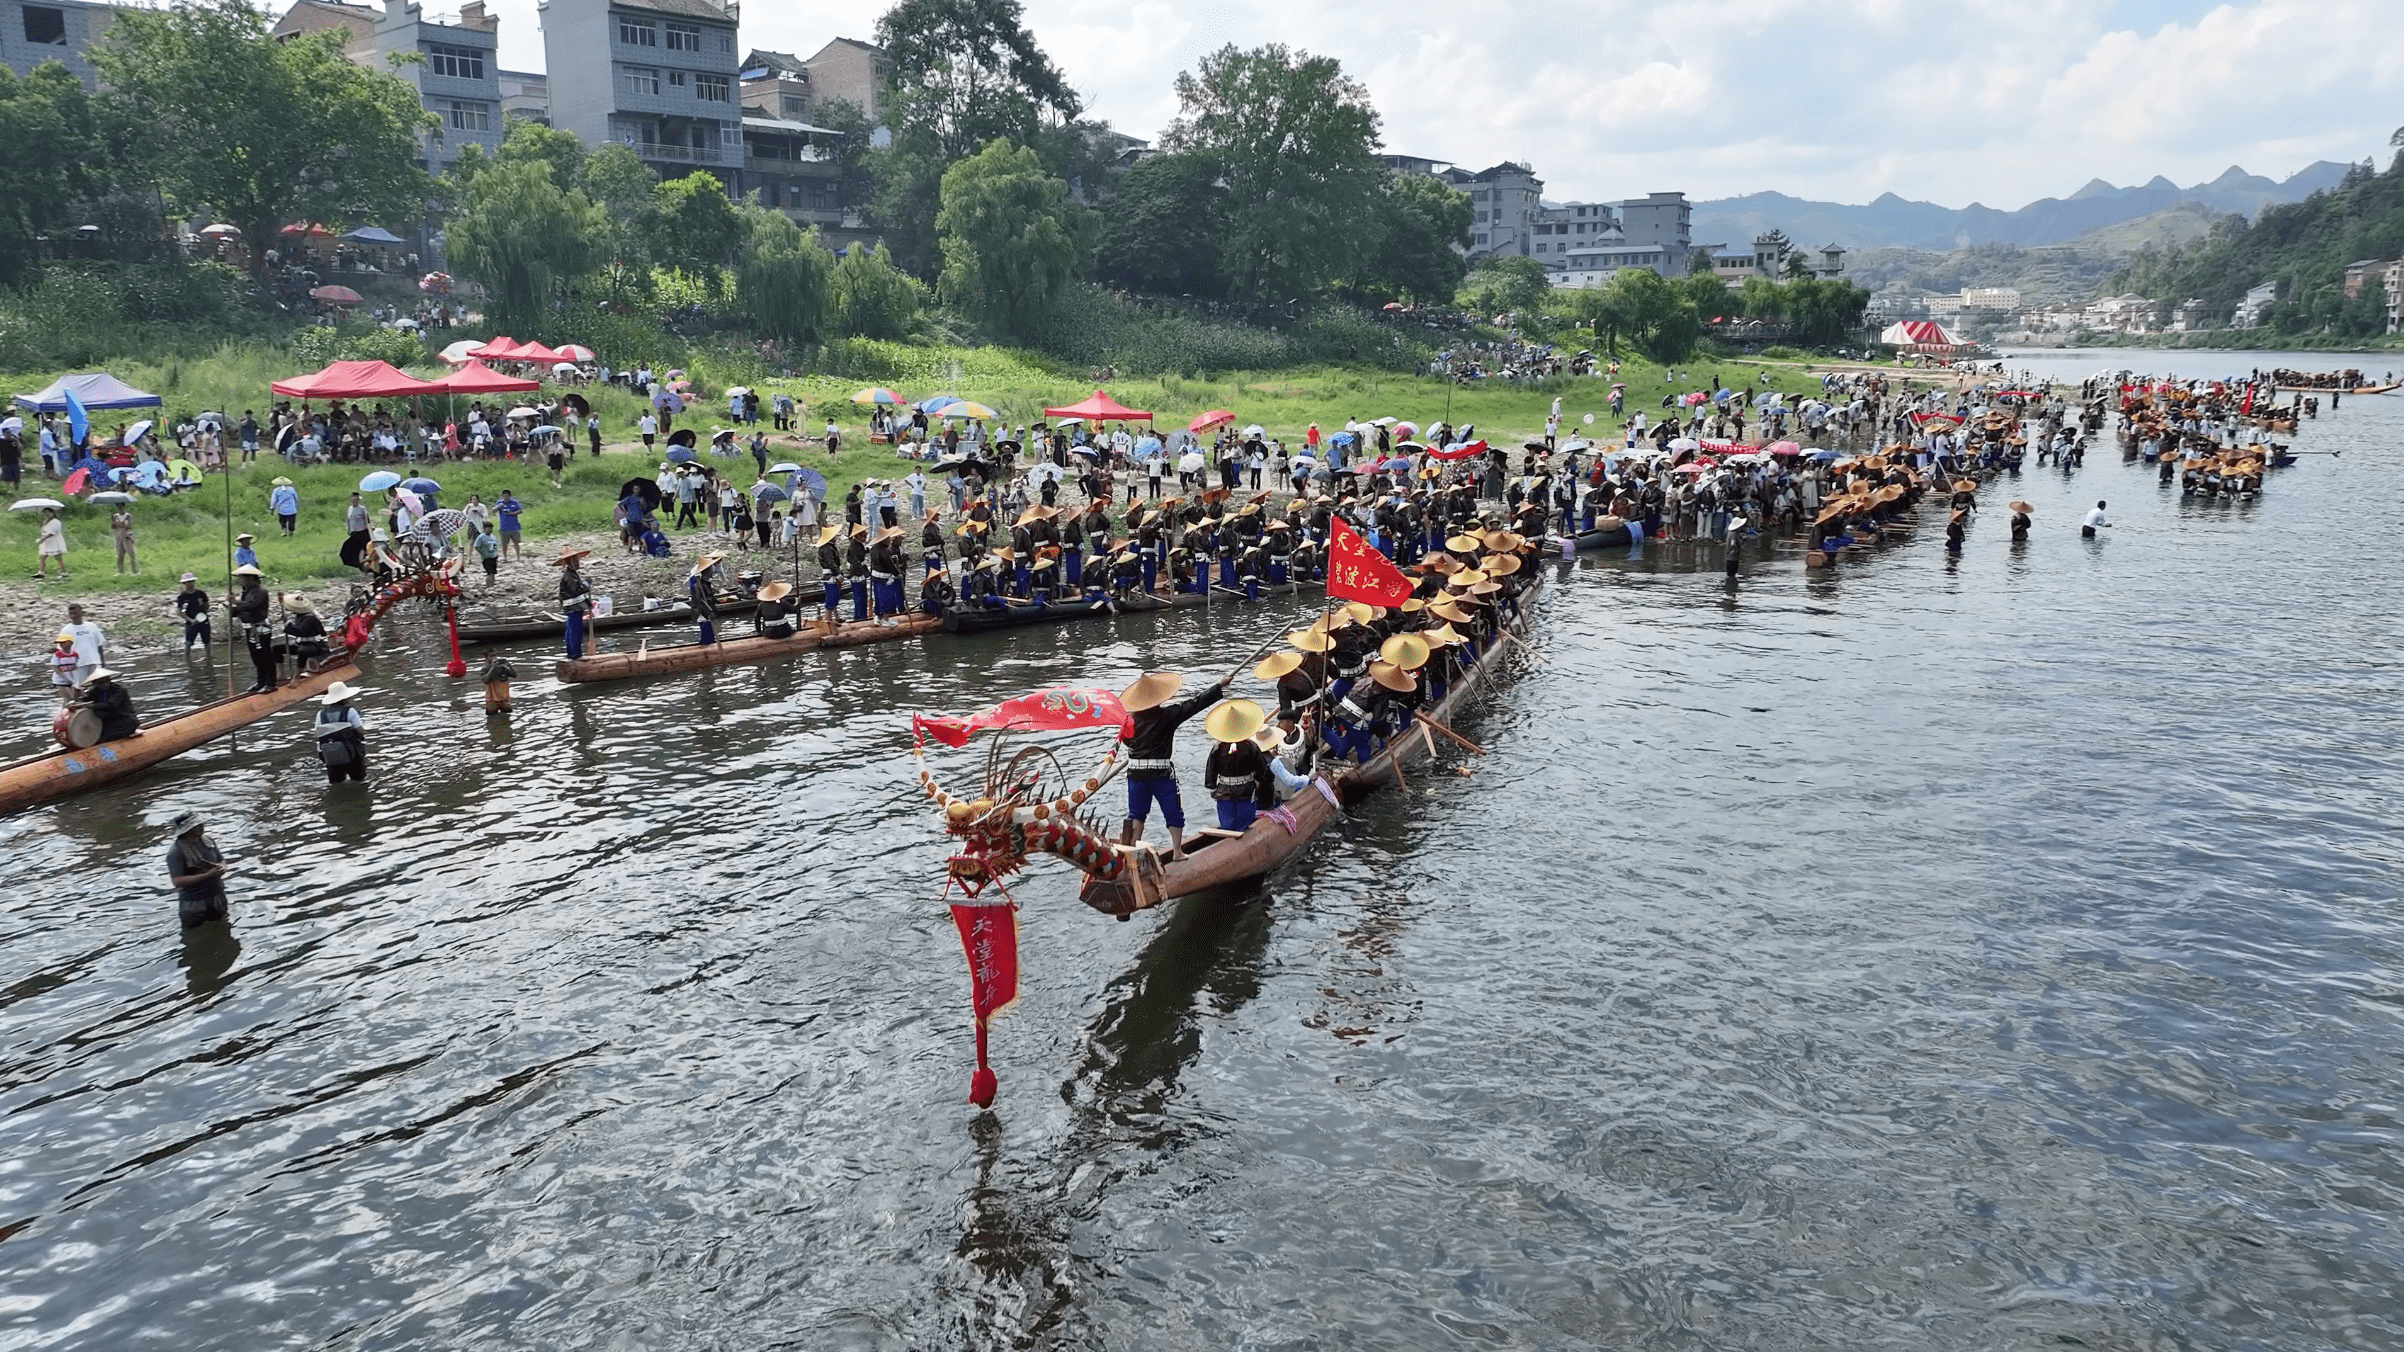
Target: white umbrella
x,y
12,423
110,498
521,411
461,352
137,431
784,467
1686,444
738,391
1044,473
1256,430
1190,461
36,504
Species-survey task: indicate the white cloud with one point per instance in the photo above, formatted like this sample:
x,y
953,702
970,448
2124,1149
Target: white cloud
x,y
2000,101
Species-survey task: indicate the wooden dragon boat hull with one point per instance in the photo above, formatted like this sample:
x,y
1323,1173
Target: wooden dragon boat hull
x,y
2332,389
58,774
738,651
1602,537
966,620
1214,860
519,627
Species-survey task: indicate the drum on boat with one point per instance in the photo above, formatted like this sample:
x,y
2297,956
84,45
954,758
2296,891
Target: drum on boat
x,y
75,729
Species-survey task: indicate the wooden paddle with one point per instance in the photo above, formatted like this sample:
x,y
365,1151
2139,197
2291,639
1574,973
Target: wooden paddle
x,y
1240,667
1427,722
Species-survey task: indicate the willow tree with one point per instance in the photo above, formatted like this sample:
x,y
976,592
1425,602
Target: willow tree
x,y
266,133
513,229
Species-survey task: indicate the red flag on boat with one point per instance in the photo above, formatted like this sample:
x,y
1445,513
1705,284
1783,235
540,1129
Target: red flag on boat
x,y
1357,572
989,936
1056,710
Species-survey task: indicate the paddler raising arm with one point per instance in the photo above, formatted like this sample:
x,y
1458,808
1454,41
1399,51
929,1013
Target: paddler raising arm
x,y
1153,718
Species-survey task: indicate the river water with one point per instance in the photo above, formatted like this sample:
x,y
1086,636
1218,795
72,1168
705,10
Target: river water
x,y
2000,953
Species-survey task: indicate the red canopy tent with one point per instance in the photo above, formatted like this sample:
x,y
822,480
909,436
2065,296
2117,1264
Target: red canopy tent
x,y
496,348
477,378
1100,408
534,351
354,380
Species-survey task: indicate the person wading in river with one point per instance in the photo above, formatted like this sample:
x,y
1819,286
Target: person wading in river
x,y
197,871
341,734
575,597
1153,719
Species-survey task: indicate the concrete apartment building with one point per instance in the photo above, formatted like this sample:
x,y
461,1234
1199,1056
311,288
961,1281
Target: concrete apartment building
x,y
457,75
526,94
56,30
659,76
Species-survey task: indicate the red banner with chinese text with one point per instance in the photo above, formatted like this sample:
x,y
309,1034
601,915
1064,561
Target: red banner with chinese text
x,y
1357,572
1056,710
989,938
1461,452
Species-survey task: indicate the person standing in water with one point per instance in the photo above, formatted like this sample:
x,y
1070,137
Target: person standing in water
x,y
2096,520
197,871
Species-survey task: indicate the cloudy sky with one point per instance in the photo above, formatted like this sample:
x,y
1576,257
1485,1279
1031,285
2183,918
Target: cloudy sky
x,y
1952,101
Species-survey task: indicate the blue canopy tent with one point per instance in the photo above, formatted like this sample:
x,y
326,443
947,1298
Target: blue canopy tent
x,y
97,389
373,234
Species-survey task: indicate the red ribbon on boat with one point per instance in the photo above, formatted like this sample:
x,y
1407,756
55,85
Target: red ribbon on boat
x,y
1461,452
1357,572
1056,710
989,938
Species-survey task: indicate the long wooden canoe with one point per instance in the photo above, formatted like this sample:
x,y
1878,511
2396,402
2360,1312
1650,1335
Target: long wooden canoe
x,y
1609,533
978,620
2332,389
738,651
1216,859
58,774
515,628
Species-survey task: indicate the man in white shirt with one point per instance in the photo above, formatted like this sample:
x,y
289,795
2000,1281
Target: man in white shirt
x,y
91,645
649,427
2095,521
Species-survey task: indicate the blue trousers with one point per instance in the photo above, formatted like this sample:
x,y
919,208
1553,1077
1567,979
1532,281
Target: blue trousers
x,y
1075,561
888,599
1143,793
709,632
1227,572
834,596
575,637
1151,572
859,598
1236,814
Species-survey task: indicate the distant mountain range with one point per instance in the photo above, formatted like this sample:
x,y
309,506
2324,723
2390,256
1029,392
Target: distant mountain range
x,y
1894,222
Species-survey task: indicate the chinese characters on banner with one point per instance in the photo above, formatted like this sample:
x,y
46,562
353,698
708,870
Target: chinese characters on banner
x,y
1356,572
989,937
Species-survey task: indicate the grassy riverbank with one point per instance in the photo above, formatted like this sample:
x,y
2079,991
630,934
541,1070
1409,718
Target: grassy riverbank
x,y
188,531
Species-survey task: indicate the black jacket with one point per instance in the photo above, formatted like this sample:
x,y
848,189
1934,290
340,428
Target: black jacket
x,y
1152,732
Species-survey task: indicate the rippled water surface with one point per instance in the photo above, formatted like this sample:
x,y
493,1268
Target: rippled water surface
x,y
1993,954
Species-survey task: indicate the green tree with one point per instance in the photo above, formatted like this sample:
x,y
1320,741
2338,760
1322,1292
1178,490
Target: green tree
x,y
264,132
1709,295
1822,312
1657,315
526,139
964,73
1421,222
693,225
872,298
782,282
514,230
1156,231
57,157
1010,247
1296,144
1761,298
1506,284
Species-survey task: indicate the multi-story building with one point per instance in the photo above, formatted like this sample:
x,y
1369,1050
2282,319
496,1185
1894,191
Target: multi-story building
x,y
2391,276
848,70
2360,272
2257,303
457,73
1990,298
1504,203
1660,223
1560,228
659,76
55,30
526,94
